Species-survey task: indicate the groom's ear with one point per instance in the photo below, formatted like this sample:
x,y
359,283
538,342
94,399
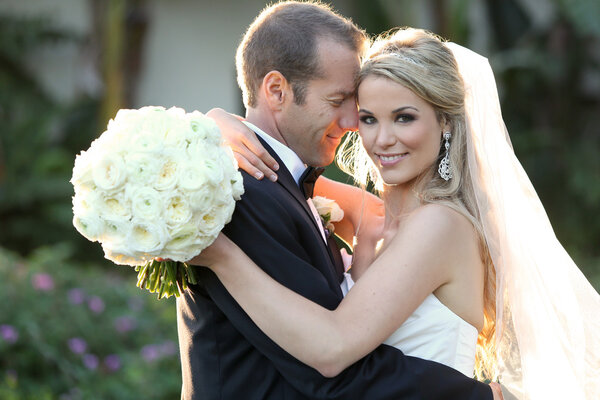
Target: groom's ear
x,y
277,90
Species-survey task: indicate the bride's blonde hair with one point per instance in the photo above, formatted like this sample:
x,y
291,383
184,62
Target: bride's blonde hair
x,y
419,61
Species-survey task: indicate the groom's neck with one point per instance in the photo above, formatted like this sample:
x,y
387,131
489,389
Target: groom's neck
x,y
266,122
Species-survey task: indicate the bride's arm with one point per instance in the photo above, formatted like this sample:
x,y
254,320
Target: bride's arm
x,y
416,262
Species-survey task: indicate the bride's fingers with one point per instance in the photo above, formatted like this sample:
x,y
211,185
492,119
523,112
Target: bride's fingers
x,y
252,164
252,143
247,166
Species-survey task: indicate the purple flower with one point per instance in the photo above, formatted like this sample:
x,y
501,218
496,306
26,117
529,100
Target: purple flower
x,y
76,296
125,324
77,345
90,361
96,304
153,352
112,362
9,333
150,352
42,282
168,348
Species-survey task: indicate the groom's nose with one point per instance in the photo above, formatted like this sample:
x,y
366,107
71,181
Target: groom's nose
x,y
349,118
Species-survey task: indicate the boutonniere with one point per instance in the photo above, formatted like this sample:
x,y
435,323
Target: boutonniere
x,y
329,211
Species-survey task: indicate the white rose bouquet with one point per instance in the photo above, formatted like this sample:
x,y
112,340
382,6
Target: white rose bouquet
x,y
156,183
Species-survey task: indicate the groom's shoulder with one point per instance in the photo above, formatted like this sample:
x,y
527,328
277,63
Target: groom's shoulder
x,y
262,191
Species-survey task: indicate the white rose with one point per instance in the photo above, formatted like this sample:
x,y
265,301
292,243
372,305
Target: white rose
x,y
179,132
116,236
177,210
197,149
227,160
146,203
184,244
86,202
205,127
328,209
212,222
147,141
147,237
89,225
212,169
82,171
142,168
191,176
155,121
109,172
225,193
123,255
115,207
127,116
202,199
176,113
168,170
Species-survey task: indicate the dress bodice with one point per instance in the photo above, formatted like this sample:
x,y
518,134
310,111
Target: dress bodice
x,y
434,332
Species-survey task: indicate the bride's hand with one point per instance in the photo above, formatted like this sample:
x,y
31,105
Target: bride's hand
x,y
248,151
221,248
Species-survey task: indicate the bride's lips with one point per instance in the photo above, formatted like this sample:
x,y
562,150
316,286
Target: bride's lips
x,y
386,160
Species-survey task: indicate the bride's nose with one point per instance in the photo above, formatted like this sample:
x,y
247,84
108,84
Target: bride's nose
x,y
385,137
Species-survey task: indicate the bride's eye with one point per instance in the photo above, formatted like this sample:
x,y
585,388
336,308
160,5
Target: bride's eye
x,y
367,119
404,118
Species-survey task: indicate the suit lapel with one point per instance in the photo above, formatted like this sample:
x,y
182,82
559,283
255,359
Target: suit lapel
x,y
286,180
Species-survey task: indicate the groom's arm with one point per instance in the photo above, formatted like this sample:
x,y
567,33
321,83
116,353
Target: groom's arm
x,y
268,233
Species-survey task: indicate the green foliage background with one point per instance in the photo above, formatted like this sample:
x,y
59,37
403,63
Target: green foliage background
x,y
549,79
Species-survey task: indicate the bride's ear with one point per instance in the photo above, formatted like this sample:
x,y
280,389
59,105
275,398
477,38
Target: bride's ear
x,y
277,90
445,125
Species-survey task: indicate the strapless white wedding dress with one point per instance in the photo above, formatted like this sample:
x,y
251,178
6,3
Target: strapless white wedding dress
x,y
434,332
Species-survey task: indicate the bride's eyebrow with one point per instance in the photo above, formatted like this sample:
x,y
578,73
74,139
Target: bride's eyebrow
x,y
362,110
400,109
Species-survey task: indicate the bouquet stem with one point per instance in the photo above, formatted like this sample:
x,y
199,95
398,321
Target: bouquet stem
x,y
165,278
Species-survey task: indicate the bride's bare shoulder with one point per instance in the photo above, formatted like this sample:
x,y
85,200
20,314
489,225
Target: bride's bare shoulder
x,y
438,223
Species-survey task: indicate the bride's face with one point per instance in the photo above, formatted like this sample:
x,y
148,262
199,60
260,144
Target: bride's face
x,y
399,130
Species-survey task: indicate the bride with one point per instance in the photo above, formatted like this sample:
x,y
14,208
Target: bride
x,y
465,269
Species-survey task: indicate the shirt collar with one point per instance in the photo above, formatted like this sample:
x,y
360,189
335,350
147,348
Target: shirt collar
x,y
291,160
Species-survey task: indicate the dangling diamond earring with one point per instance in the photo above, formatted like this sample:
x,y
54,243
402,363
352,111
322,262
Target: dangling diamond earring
x,y
445,170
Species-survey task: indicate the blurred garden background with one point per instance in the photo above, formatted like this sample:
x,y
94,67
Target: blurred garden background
x,y
73,325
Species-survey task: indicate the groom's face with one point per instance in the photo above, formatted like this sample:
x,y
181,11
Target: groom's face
x,y
314,129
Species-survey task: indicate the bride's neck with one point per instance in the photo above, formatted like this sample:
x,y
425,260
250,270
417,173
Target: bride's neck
x,y
399,201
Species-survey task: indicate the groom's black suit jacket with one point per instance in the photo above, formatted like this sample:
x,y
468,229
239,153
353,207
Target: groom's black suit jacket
x,y
225,355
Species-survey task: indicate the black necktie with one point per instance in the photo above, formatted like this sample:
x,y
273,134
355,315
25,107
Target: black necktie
x,y
308,179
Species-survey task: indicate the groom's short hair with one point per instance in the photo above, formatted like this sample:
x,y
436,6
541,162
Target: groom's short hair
x,y
284,38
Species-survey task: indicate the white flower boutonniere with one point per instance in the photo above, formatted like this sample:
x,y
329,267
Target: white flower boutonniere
x,y
329,211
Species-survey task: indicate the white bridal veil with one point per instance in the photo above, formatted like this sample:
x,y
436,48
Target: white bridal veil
x,y
548,314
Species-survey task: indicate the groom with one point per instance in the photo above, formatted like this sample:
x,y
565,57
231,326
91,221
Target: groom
x,y
297,66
